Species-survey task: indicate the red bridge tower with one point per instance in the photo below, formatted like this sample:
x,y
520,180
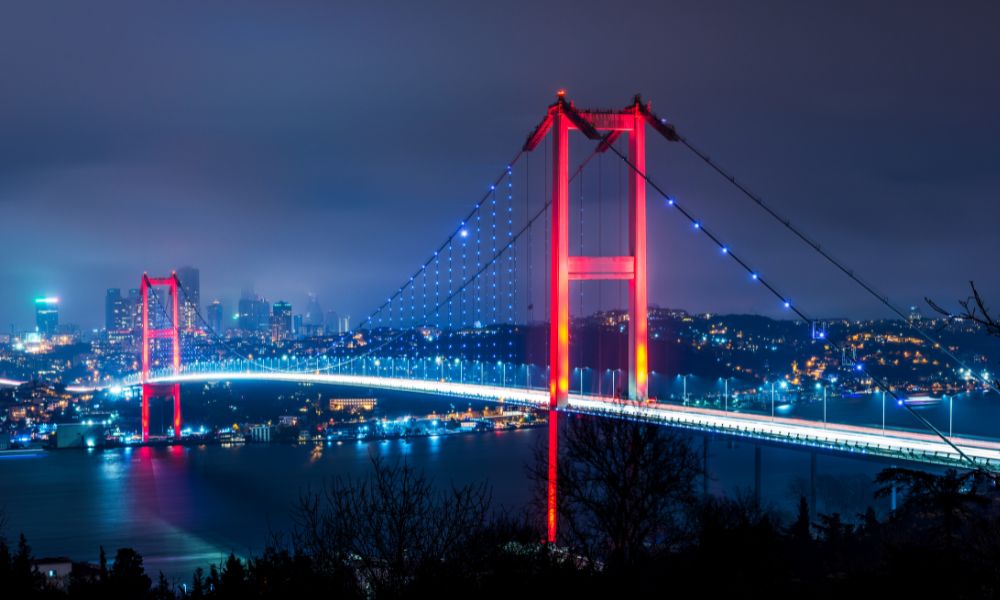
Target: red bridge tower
x,y
153,390
562,116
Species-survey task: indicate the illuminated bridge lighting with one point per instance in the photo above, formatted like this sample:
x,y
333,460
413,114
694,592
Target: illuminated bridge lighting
x,y
895,444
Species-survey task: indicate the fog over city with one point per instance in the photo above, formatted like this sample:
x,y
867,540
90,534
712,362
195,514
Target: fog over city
x,y
268,144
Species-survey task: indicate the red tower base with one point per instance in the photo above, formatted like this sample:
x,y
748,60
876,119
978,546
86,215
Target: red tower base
x,y
168,390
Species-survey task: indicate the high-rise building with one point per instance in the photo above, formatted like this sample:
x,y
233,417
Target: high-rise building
x,y
254,315
112,302
331,324
118,312
215,316
189,296
47,315
312,320
281,321
134,309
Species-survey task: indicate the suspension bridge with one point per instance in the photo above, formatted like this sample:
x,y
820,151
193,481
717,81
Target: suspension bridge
x,y
449,328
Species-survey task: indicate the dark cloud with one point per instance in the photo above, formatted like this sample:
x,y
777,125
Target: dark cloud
x,y
268,142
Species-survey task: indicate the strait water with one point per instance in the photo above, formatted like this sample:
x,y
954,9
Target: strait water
x,y
186,507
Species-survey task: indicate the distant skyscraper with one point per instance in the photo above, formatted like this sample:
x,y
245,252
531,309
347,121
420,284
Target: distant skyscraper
x,y
47,315
134,309
190,297
244,315
112,303
312,321
118,313
331,324
254,314
215,316
281,321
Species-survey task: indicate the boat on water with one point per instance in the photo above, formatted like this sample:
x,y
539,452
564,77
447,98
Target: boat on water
x,y
923,400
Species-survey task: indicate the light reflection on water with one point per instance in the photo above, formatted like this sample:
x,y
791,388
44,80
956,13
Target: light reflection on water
x,y
183,507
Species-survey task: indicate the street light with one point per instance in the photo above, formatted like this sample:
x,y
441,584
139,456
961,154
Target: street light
x,y
823,386
725,394
883,412
951,412
772,400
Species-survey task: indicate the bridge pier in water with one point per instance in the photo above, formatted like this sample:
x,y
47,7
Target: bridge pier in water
x,y
151,391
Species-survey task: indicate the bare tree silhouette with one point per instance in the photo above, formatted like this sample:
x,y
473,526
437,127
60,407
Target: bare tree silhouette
x,y
623,487
973,309
389,524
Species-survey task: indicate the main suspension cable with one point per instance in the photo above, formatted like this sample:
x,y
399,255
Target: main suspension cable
x,y
878,381
839,264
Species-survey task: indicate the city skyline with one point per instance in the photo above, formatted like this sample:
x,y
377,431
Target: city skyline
x,y
846,140
439,299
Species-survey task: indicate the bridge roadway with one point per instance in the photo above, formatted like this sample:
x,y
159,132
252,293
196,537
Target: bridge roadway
x,y
894,444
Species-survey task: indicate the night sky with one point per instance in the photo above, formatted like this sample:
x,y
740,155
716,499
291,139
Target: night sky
x,y
326,147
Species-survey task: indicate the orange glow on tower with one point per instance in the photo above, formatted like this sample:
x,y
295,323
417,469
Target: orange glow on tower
x,y
560,118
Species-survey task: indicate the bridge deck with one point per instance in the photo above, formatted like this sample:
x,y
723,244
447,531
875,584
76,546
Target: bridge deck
x,y
893,444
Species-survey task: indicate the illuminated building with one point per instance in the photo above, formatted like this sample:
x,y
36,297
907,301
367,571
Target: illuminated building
x,y
118,312
112,298
352,404
281,321
190,297
47,315
215,312
312,321
254,314
134,308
